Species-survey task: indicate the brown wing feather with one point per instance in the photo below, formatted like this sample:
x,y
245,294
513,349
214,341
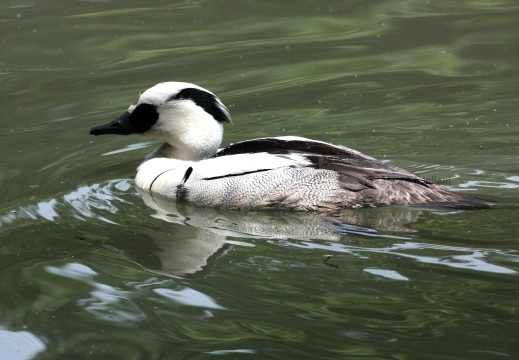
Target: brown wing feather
x,y
374,182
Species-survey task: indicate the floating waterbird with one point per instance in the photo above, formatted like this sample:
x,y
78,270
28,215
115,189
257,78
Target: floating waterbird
x,y
274,172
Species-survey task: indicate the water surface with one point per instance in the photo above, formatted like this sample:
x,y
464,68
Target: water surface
x,y
89,269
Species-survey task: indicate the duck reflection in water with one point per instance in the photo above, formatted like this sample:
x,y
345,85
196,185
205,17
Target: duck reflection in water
x,y
196,233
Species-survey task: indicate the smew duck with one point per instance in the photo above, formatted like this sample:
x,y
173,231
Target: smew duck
x,y
274,172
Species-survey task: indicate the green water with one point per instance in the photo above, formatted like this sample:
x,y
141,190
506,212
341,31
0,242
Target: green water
x,y
88,270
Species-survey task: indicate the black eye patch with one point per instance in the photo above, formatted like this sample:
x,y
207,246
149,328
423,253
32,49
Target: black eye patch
x,y
143,117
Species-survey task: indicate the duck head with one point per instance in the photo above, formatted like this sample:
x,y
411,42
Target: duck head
x,y
187,117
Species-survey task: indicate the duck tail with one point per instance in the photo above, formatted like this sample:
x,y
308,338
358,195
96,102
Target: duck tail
x,y
458,201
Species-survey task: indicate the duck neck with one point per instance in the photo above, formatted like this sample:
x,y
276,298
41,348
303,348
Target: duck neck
x,y
171,152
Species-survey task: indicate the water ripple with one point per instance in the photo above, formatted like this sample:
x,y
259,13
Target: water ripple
x,y
189,297
86,202
105,302
20,345
452,256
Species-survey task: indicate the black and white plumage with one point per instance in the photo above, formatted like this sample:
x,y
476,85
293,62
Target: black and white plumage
x,y
277,172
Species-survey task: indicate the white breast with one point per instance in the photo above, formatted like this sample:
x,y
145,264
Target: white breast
x,y
151,170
